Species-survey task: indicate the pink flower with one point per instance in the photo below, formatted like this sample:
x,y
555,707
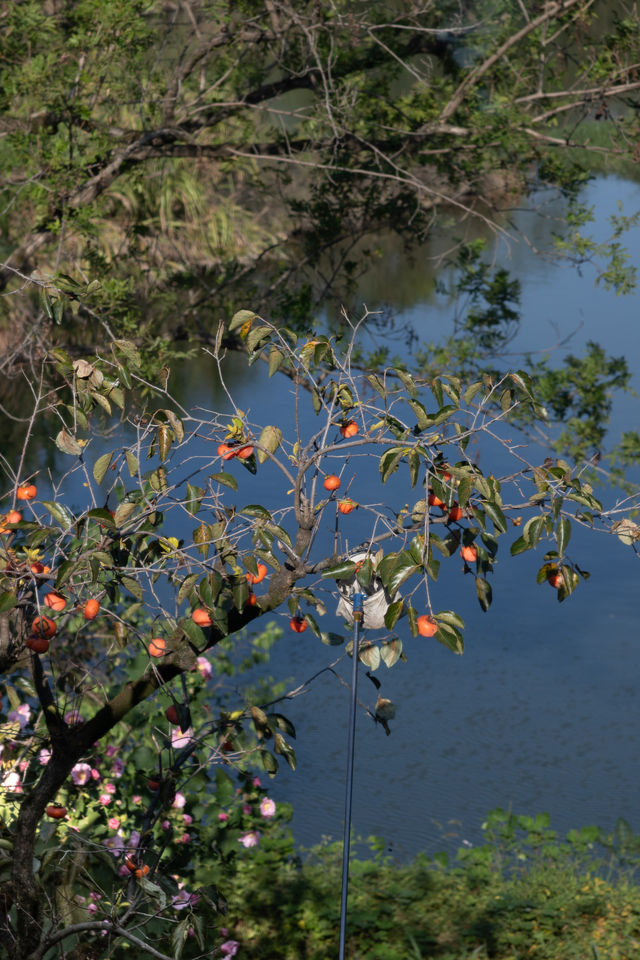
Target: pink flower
x,y
257,782
222,816
246,809
93,908
109,788
117,768
267,807
111,750
113,823
134,840
204,667
185,838
44,756
229,948
179,739
104,799
80,774
184,899
166,825
73,718
21,715
115,844
187,819
12,782
251,839
95,774
136,798
179,801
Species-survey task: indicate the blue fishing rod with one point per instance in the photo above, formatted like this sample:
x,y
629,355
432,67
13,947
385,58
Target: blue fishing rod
x,y
358,608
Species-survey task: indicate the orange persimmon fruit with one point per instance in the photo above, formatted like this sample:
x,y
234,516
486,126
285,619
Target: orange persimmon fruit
x,y
201,617
427,626
91,609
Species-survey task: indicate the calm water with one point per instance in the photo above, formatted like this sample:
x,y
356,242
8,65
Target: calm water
x,y
541,712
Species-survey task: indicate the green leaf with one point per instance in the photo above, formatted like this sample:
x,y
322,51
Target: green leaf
x,y
123,512
483,589
68,444
132,586
270,440
332,639
408,382
450,617
255,337
449,637
283,723
341,571
179,937
369,654
187,586
132,463
423,420
165,439
563,534
391,651
176,424
269,762
59,513
519,546
496,514
130,351
226,479
255,510
193,501
154,891
414,466
194,633
124,376
394,571
64,571
392,614
377,384
276,358
277,531
364,572
284,749
101,466
471,391
389,462
117,395
241,317
101,401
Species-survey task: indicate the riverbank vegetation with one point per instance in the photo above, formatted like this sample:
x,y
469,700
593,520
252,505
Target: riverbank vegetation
x,y
523,893
162,163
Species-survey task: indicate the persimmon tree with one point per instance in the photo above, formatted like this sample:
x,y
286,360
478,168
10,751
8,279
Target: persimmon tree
x,y
177,543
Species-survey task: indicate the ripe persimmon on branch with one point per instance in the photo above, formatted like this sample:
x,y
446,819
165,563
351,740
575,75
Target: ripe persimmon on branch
x,y
197,525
